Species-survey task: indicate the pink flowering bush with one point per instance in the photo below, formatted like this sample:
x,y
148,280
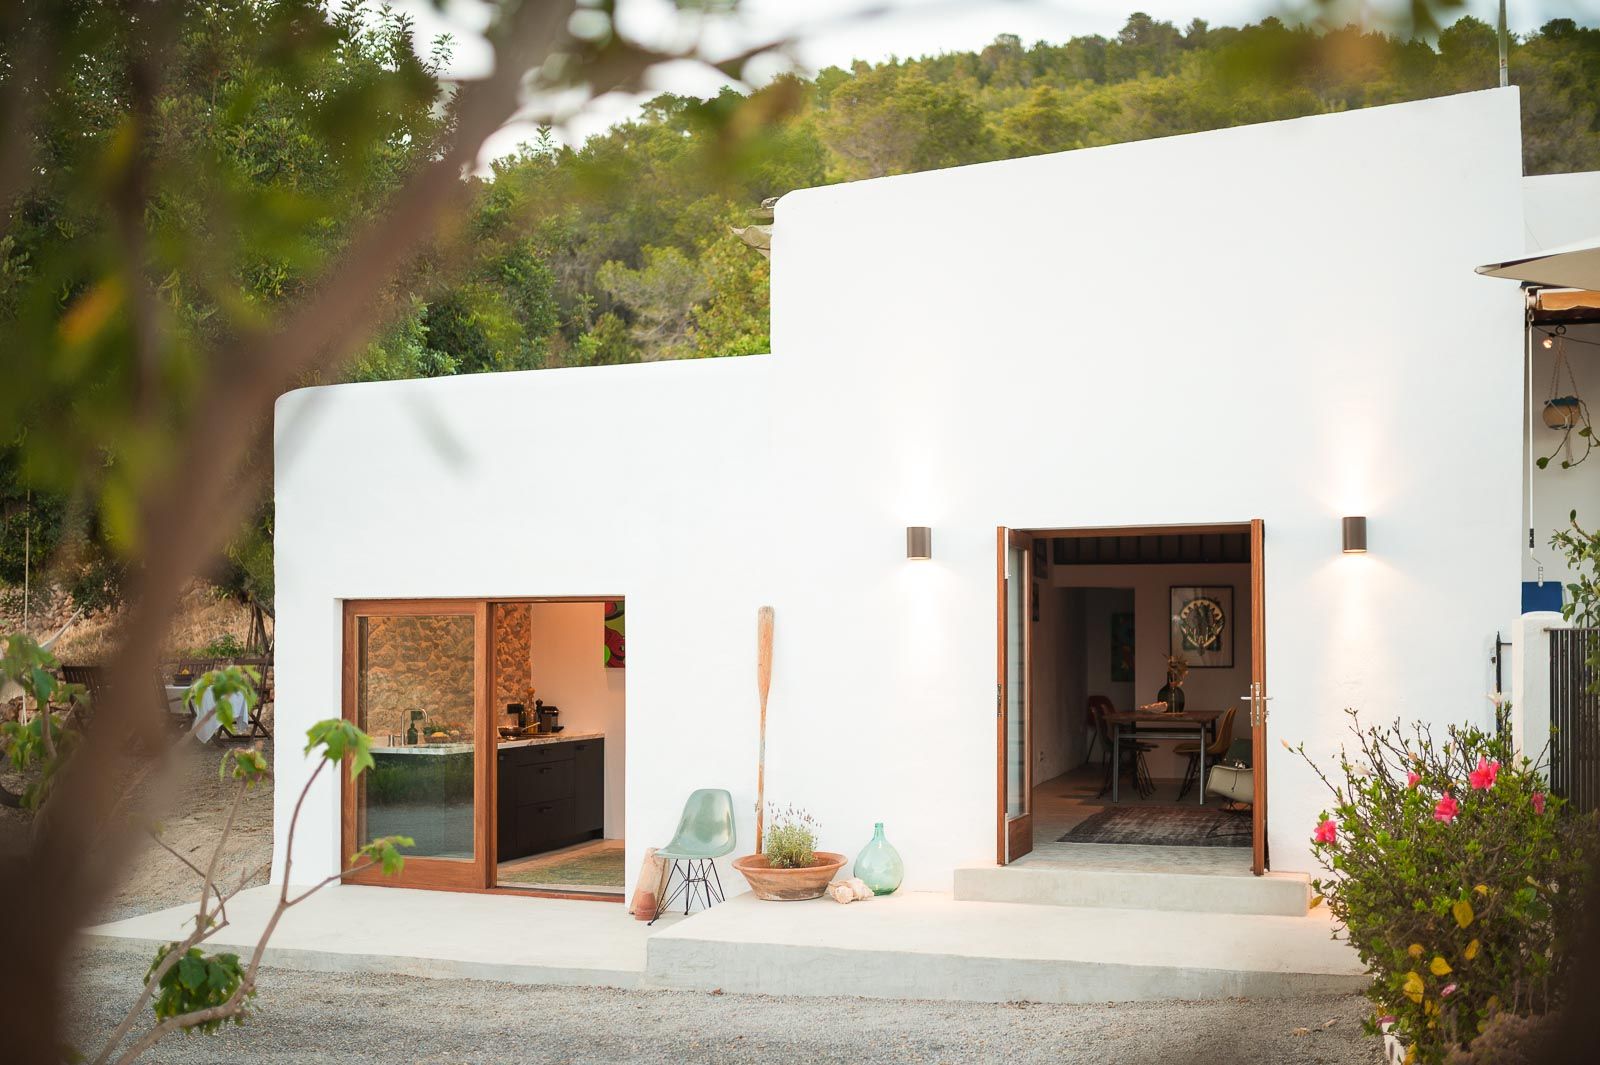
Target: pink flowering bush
x,y
1456,879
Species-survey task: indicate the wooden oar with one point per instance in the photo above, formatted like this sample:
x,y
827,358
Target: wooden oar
x,y
763,684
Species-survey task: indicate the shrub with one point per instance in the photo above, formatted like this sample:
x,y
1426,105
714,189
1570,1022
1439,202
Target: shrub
x,y
225,646
791,839
1457,879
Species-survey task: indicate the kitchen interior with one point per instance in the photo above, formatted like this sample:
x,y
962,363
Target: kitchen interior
x,y
560,699
557,677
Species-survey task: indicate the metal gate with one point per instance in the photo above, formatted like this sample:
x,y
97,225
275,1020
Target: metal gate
x,y
1574,718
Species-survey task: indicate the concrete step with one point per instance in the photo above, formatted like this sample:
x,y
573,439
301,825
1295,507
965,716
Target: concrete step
x,y
1086,880
931,946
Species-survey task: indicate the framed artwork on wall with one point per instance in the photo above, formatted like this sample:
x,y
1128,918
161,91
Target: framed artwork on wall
x,y
1202,625
1121,647
616,644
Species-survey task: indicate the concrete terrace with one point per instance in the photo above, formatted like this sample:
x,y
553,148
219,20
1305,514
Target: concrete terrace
x,y
921,945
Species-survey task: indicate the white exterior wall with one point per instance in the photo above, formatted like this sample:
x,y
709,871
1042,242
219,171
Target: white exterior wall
x,y
1559,209
1257,322
634,481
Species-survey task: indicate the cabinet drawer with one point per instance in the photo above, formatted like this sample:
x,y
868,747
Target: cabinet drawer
x,y
544,824
538,752
544,780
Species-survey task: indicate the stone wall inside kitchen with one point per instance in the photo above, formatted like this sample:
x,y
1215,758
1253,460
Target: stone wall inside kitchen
x,y
423,663
513,671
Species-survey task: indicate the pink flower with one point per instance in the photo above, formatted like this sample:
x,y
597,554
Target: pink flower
x,y
1482,778
1447,990
1387,1018
1327,832
1446,809
1413,778
1538,803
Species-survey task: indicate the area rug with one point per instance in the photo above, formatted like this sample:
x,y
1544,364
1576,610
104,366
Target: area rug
x,y
1162,826
594,868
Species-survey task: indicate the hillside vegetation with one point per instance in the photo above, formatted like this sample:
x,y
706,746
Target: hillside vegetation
x,y
619,251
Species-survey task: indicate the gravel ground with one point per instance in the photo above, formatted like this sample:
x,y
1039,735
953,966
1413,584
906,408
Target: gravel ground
x,y
303,1017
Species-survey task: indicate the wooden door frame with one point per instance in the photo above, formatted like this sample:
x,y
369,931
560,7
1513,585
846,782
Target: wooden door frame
x,y
1258,697
1005,827
486,823
427,872
1259,750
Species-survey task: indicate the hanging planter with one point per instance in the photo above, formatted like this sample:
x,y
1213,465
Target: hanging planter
x,y
1565,412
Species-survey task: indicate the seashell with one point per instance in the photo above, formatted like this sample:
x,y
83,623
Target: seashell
x,y
842,893
859,886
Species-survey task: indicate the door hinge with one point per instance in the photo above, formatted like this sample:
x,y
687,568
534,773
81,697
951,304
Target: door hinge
x,y
999,699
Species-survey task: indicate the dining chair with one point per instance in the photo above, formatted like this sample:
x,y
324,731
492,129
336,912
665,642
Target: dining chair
x,y
1214,750
1132,750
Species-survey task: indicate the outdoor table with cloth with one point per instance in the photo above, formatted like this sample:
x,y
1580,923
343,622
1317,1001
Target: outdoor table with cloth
x,y
175,702
1183,725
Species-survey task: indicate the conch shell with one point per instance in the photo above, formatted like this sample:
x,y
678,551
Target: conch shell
x,y
847,891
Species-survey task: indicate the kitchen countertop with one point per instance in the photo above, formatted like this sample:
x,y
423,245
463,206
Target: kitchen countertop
x,y
462,748
554,737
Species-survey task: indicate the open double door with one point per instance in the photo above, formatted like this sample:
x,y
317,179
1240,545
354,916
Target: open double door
x,y
1014,694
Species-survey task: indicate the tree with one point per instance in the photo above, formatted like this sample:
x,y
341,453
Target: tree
x,y
186,265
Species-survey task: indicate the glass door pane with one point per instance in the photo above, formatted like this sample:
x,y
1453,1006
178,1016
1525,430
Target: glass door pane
x,y
416,682
1016,682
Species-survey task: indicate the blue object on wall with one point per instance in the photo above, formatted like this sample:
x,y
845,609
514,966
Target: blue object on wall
x,y
1536,596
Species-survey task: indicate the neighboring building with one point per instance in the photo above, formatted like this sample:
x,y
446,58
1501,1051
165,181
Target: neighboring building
x,y
1132,352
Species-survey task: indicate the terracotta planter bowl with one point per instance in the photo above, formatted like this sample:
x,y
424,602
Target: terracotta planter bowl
x,y
789,885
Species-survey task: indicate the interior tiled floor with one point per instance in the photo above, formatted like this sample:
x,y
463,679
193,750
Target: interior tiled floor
x,y
1061,803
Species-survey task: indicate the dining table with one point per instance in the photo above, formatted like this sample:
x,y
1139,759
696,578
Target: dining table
x,y
1198,725
206,724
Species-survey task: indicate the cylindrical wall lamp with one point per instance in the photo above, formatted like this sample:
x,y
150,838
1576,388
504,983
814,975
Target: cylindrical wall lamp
x,y
1355,536
919,542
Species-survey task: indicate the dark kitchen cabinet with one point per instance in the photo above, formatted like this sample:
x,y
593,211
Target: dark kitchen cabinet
x,y
549,795
589,792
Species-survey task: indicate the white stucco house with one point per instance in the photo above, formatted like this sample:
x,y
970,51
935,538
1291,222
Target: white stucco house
x,y
1170,365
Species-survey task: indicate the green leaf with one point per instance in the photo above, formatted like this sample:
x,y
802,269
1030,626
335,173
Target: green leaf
x,y
192,971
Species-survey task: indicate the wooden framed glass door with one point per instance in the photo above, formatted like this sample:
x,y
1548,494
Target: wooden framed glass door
x,y
415,679
1014,697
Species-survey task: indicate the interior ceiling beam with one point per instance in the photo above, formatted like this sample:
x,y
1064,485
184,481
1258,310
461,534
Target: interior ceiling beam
x,y
1193,548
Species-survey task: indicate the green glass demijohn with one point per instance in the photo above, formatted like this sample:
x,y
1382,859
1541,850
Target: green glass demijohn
x,y
879,864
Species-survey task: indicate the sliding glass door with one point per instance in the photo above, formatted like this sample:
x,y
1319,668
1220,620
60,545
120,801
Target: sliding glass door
x,y
414,680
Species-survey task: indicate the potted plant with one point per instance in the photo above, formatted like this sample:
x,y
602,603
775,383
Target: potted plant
x,y
791,868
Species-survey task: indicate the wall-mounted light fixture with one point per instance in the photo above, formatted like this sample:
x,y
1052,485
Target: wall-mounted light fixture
x,y
1355,536
919,542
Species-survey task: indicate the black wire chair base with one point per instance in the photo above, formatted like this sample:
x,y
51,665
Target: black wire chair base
x,y
692,873
1143,782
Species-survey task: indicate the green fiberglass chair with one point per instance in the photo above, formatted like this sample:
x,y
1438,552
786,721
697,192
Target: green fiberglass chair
x,y
705,833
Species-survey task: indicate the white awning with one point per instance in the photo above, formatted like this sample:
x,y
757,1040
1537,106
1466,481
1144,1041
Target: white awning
x,y
1570,266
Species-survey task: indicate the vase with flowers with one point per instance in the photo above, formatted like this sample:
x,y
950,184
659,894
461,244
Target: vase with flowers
x,y
1171,693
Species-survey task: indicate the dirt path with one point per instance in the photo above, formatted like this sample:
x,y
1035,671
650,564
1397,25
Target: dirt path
x,y
191,827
